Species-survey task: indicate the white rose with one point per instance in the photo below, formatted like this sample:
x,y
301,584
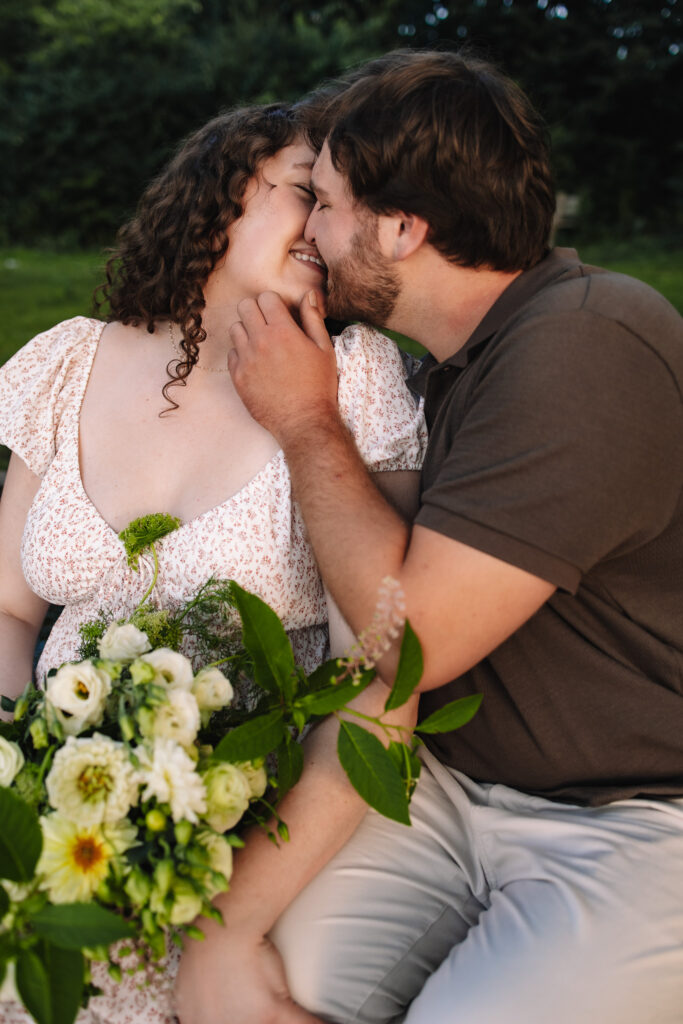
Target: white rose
x,y
123,643
11,761
78,694
212,689
177,720
171,669
227,795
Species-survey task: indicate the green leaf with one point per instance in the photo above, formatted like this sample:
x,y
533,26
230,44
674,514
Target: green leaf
x,y
409,671
76,925
323,702
65,972
33,986
4,903
408,764
451,716
255,738
266,641
372,772
323,675
20,838
290,764
142,532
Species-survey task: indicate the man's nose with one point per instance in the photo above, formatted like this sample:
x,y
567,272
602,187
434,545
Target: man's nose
x,y
309,230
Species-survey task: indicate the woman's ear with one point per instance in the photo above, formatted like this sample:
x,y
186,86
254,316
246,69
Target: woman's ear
x,y
410,233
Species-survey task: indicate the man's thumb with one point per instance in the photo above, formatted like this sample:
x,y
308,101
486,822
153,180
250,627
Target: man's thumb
x,y
312,321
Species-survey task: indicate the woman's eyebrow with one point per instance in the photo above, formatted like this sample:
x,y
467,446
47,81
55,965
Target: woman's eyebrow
x,y
307,164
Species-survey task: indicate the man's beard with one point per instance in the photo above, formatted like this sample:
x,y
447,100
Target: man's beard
x,y
362,284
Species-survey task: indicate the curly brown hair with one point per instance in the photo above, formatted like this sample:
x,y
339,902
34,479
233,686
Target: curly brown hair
x,y
163,256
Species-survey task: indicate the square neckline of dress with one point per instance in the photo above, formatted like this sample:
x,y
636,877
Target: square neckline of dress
x,y
214,509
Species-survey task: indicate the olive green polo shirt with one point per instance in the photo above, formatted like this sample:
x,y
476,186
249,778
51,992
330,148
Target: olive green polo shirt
x,y
556,444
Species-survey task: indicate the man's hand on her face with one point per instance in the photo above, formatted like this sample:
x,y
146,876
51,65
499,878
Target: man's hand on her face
x,y
286,375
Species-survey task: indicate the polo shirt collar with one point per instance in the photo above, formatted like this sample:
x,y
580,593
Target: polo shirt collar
x,y
556,264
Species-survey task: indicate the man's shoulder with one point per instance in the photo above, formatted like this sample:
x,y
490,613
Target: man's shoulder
x,y
581,287
585,303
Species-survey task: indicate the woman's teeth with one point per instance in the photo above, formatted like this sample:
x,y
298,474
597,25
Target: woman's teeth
x,y
308,259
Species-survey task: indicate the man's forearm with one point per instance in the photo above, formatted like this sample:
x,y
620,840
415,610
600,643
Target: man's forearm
x,y
357,536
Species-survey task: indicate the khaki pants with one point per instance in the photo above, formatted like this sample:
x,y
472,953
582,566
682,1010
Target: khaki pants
x,y
495,907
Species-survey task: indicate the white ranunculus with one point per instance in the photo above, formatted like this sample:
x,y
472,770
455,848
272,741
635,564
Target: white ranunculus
x,y
227,795
78,694
92,781
177,719
123,643
171,669
11,761
169,775
256,776
212,689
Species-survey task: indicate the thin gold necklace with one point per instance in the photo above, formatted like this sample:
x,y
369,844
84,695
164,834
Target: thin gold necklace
x,y
182,356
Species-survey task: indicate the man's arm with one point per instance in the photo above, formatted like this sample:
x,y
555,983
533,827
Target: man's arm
x,y
461,602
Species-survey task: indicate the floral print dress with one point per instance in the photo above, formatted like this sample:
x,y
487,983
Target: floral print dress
x,y
71,556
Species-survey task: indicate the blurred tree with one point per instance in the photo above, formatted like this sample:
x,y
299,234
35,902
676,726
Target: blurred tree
x,y
94,94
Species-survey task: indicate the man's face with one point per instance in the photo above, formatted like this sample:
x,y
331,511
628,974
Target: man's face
x,y
361,282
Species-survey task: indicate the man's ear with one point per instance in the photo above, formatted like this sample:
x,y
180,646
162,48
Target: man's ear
x,y
410,233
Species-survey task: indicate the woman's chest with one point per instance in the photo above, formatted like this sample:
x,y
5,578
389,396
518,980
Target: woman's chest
x,y
140,456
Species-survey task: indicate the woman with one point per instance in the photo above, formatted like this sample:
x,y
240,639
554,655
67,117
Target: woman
x,y
96,444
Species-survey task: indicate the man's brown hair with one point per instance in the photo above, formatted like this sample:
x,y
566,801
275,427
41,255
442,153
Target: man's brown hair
x,y
449,138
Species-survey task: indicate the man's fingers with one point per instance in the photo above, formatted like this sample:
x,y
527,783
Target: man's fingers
x,y
238,334
311,312
273,309
251,314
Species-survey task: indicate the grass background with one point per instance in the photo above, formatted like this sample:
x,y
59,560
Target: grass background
x,y
39,288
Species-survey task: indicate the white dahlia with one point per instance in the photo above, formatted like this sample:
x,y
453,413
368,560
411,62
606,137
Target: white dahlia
x,y
92,781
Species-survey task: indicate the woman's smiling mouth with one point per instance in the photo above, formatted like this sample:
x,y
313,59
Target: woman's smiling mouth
x,y
309,257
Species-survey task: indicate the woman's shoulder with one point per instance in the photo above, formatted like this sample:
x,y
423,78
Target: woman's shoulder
x,y
49,349
362,340
42,383
385,418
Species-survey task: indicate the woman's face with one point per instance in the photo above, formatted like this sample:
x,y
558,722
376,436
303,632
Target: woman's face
x,y
267,250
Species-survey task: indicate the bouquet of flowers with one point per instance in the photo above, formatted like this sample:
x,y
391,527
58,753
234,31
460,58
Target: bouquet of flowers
x,y
127,781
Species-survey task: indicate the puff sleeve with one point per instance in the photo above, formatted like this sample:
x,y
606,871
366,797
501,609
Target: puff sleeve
x,y
383,416
37,387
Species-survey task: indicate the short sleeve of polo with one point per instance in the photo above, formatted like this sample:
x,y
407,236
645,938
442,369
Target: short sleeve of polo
x,y
567,449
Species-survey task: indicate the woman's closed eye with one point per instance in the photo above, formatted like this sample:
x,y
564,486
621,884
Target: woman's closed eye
x,y
310,195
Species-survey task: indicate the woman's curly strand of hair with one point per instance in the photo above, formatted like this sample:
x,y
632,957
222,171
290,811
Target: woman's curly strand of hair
x,y
163,256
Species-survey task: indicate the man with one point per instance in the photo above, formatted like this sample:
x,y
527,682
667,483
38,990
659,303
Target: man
x,y
543,875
